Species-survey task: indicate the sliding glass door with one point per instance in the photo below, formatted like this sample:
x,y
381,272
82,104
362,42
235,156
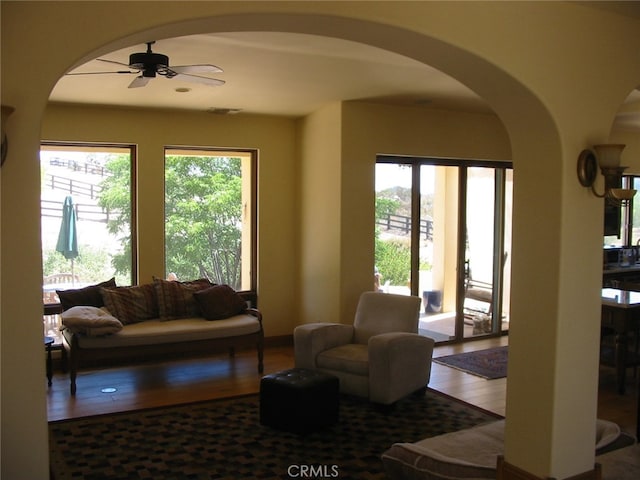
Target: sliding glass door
x,y
443,230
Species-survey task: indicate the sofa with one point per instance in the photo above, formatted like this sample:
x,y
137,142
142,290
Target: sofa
x,y
620,464
105,324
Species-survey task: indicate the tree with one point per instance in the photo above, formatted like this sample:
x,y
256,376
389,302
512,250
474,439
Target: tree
x,y
393,259
115,198
88,266
203,214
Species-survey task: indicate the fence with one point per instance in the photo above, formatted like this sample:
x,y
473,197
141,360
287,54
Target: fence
x,y
76,166
74,187
403,223
84,212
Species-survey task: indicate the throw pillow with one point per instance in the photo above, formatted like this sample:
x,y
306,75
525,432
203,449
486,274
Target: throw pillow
x,y
220,301
175,299
91,321
131,304
89,296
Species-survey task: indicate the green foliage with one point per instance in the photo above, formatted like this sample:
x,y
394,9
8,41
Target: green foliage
x,y
203,215
115,198
385,207
393,259
89,266
393,256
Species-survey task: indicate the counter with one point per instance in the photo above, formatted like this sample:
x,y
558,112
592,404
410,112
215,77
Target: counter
x,y
613,274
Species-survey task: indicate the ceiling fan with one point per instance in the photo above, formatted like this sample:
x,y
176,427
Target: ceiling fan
x,y
147,65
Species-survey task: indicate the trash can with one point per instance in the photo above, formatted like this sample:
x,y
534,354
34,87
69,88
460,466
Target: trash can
x,y
432,301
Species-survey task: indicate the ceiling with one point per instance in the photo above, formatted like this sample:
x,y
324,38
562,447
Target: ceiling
x,y
280,74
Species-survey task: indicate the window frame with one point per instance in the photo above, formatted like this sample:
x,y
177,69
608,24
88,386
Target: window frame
x,y
133,151
625,214
253,201
500,172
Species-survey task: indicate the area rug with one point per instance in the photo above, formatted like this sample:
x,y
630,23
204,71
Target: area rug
x,y
490,363
223,439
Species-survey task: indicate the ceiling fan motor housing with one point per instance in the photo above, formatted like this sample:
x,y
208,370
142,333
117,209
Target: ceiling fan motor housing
x,y
148,62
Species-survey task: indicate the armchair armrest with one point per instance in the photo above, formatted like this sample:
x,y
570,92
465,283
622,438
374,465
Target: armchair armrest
x,y
399,363
256,313
312,338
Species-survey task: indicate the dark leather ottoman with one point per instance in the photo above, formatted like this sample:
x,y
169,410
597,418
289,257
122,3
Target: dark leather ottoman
x,y
299,400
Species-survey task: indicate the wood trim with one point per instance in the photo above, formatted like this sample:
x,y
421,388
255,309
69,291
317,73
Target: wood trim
x,y
506,471
279,341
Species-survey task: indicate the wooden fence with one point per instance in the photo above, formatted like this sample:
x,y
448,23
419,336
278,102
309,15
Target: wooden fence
x,y
90,168
72,186
402,223
84,212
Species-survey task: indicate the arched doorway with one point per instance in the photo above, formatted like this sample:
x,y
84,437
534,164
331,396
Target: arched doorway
x,y
518,107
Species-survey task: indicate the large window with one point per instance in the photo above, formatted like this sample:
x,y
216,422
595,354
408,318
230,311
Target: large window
x,y
210,216
87,215
443,232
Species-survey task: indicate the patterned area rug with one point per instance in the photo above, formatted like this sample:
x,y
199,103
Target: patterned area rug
x,y
223,439
490,363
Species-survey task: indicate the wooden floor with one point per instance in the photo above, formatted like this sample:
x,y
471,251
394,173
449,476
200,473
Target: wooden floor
x,y
182,381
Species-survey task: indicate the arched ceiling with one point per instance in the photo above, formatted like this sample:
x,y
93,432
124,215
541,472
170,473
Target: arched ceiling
x,y
288,74
271,73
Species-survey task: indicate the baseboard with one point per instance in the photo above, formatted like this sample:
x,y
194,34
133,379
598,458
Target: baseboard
x,y
507,471
279,341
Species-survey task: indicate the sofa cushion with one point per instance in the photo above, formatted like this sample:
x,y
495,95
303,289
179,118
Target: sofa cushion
x,y
157,332
219,302
176,300
352,358
131,304
91,321
89,296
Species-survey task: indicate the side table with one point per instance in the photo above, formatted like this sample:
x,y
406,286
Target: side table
x,y
48,343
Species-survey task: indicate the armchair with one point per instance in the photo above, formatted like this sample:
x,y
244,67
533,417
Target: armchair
x,y
380,357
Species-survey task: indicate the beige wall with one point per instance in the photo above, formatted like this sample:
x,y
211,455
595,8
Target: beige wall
x,y
539,64
320,199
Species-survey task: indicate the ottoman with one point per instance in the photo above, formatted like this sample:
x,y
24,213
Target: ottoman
x,y
299,400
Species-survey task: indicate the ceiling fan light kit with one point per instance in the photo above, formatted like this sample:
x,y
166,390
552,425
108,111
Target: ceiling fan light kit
x,y
149,64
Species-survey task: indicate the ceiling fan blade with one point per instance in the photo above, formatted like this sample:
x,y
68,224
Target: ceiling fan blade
x,y
212,82
114,62
139,82
197,69
101,73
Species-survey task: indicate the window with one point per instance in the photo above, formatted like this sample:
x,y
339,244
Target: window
x,y
93,184
210,228
443,232
622,224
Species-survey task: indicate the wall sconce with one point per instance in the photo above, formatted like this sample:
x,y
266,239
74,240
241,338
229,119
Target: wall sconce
x,y
6,112
607,157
